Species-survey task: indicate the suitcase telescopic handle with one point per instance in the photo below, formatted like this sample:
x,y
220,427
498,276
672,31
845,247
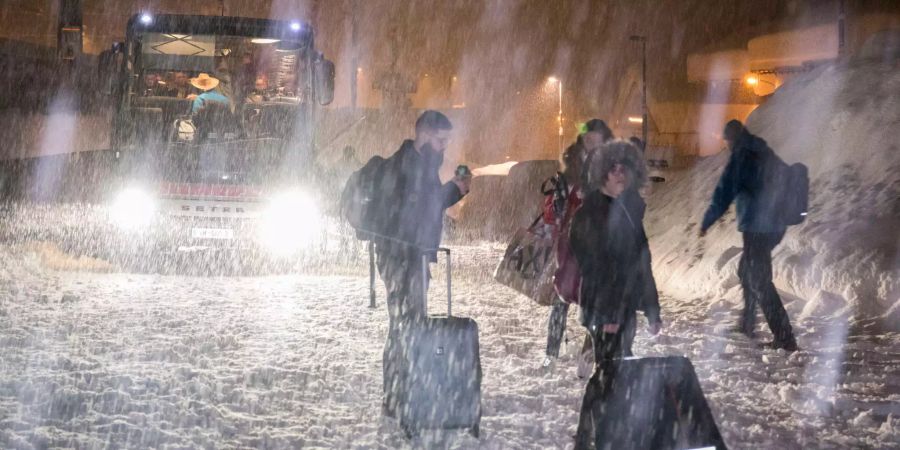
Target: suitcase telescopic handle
x,y
425,255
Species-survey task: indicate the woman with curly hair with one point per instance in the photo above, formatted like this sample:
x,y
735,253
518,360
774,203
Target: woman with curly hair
x,y
610,244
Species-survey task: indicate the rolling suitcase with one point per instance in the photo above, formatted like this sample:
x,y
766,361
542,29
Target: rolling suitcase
x,y
440,370
638,403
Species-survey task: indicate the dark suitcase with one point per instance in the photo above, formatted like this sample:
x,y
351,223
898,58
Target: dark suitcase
x,y
440,370
639,403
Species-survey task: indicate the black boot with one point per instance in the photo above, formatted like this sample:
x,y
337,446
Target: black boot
x,y
788,345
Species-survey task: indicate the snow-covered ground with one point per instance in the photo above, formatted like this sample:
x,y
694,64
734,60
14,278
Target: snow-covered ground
x,y
113,360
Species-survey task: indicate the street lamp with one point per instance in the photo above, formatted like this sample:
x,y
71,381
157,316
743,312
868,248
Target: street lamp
x,y
756,82
643,41
559,118
753,81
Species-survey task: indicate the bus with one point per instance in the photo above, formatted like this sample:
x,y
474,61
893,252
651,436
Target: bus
x,y
213,132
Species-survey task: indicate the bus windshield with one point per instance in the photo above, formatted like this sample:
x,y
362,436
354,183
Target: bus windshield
x,y
240,69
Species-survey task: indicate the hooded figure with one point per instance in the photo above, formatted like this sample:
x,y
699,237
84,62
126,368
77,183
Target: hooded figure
x,y
610,244
748,180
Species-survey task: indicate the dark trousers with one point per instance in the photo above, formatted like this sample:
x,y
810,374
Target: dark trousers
x,y
402,276
556,328
755,272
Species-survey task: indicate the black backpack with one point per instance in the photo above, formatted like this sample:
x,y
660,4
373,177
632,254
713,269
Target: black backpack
x,y
795,201
791,193
361,200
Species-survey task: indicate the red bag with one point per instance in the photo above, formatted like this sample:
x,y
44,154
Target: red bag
x,y
567,278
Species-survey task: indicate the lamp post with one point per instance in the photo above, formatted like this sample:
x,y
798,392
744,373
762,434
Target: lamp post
x,y
559,118
643,41
754,81
842,24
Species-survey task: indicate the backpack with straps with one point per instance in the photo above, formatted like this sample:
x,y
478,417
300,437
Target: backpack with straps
x,y
791,193
795,201
361,199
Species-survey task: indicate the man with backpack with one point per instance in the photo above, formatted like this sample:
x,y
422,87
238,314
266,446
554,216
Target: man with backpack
x,y
752,179
406,213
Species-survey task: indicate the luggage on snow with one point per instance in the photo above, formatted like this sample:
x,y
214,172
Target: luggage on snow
x,y
639,403
440,370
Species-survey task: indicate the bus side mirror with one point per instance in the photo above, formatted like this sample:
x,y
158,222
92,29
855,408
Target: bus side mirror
x,y
108,66
324,81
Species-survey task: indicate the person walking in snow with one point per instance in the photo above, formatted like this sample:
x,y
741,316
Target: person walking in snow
x,y
745,181
613,253
561,202
609,242
563,197
413,220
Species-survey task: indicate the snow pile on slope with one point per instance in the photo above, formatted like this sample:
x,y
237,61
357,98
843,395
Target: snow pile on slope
x,y
844,259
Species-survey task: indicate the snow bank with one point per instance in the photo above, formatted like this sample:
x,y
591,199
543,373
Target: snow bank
x,y
844,260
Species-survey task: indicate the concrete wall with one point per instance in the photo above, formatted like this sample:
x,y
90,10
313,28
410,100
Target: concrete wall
x,y
722,65
695,128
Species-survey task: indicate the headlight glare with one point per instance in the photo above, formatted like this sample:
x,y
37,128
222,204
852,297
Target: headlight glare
x,y
291,221
132,209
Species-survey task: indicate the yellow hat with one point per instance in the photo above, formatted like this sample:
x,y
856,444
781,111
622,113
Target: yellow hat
x,y
204,82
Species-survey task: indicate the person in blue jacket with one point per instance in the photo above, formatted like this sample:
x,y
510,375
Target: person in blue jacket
x,y
210,94
747,181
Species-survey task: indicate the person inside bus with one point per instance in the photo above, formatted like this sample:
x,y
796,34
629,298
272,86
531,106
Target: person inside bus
x,y
209,93
178,85
153,85
260,91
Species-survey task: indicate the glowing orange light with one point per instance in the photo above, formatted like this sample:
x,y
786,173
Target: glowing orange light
x,y
634,119
752,81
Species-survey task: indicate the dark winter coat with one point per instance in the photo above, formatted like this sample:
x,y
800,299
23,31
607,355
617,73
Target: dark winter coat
x,y
609,242
747,180
414,200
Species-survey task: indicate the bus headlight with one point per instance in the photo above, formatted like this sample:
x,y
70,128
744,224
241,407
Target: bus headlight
x,y
132,209
290,222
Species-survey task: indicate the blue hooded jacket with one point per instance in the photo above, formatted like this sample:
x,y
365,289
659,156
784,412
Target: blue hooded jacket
x,y
748,181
